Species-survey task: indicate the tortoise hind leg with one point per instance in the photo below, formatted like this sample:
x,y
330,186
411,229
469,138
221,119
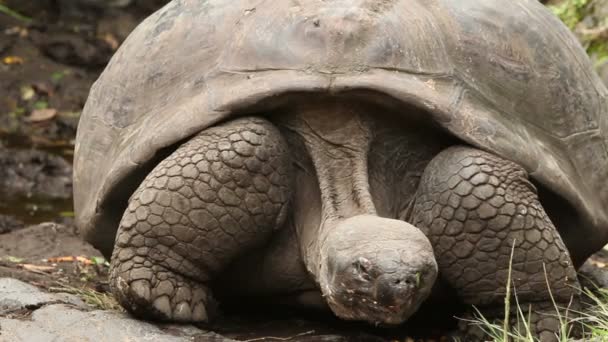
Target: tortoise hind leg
x,y
221,193
475,207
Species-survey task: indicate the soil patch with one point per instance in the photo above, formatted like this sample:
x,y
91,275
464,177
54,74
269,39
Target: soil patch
x,y
45,255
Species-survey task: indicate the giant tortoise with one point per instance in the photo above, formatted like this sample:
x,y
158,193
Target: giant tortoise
x,y
355,155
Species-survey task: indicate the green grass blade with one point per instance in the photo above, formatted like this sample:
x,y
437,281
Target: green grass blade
x,y
13,14
508,296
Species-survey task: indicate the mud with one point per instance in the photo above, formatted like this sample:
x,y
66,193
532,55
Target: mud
x,y
35,186
34,173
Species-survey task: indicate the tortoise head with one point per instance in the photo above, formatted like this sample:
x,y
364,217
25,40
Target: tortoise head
x,y
376,269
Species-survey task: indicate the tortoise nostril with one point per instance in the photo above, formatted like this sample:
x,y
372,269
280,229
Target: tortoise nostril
x,y
363,267
414,280
407,281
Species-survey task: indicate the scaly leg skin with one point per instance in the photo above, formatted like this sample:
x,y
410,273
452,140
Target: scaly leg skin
x,y
474,206
218,195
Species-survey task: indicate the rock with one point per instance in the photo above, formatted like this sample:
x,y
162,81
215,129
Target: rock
x,y
32,172
16,295
61,318
76,50
9,223
43,241
592,276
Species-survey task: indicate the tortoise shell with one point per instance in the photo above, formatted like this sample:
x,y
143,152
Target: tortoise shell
x,y
506,77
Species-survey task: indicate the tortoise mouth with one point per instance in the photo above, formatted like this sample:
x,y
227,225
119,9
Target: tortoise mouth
x,y
359,308
376,296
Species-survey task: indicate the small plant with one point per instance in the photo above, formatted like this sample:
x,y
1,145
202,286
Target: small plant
x,y
571,12
595,317
521,331
41,104
13,14
502,331
57,76
94,298
594,39
599,48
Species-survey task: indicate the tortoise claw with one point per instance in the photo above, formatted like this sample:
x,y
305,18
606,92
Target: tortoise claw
x,y
173,299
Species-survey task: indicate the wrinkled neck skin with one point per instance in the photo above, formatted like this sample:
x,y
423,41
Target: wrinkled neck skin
x,y
337,138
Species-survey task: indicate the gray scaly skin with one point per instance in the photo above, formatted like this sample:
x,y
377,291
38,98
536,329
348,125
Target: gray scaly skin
x,y
245,187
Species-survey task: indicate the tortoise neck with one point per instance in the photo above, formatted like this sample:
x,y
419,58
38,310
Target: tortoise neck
x,y
337,136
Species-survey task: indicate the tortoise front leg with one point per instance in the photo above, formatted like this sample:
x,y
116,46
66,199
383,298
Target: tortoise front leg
x,y
475,207
218,195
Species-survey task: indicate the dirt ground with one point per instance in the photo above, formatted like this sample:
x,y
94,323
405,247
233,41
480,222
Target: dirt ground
x,y
49,58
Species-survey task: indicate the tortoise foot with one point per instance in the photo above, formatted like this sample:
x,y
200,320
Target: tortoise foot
x,y
490,232
162,295
219,195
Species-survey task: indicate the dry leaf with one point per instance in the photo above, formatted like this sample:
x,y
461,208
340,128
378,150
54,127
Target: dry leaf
x,y
12,60
81,259
27,93
37,268
39,115
12,30
23,33
17,30
111,41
